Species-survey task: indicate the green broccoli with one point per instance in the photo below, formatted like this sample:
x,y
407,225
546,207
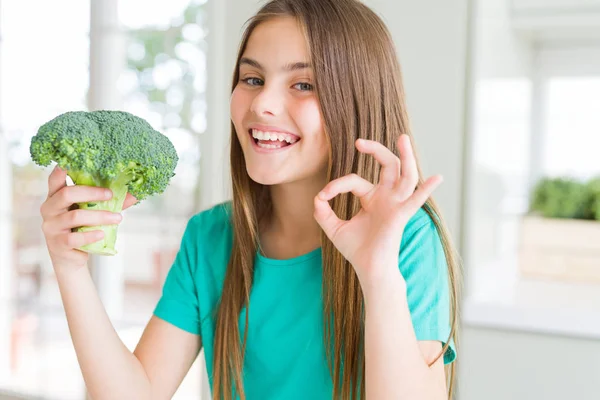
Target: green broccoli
x,y
111,149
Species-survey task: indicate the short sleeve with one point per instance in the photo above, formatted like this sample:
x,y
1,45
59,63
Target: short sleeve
x,y
424,268
178,304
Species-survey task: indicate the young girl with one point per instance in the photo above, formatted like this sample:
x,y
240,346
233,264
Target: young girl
x,y
330,273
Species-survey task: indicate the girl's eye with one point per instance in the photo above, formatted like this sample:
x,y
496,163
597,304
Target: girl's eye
x,y
303,86
253,81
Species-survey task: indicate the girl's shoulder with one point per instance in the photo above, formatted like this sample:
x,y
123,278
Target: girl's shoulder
x,y
421,220
208,237
211,222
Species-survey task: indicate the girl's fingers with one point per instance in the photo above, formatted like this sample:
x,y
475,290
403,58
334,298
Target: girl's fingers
x,y
68,195
129,201
410,174
350,183
324,215
326,218
420,196
56,180
77,218
73,240
390,171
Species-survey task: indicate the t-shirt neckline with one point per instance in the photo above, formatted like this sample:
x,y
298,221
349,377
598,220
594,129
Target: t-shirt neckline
x,y
289,261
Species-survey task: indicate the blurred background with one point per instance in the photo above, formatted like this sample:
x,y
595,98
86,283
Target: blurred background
x,y
504,97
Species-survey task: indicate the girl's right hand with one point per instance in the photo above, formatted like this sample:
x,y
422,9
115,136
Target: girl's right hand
x,y
59,219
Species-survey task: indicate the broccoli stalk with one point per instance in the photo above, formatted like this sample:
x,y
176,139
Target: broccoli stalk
x,y
118,186
111,149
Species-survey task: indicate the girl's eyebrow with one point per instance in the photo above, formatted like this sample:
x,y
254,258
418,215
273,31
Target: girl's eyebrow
x,y
288,67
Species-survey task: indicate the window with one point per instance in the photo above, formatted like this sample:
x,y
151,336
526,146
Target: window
x,y
44,71
41,75
535,115
572,124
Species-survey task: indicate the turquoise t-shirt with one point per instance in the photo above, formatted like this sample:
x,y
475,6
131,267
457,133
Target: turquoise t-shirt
x,y
285,353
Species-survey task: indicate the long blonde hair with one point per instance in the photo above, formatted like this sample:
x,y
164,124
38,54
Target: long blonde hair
x,y
355,64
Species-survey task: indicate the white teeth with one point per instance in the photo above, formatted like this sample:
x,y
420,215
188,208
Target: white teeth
x,y
273,136
269,146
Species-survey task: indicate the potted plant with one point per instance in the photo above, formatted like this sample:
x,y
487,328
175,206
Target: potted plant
x,y
560,235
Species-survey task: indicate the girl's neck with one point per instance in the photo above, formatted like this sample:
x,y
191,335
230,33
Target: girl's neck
x,y
291,229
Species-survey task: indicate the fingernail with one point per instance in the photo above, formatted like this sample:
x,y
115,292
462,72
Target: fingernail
x,y
107,194
116,217
322,195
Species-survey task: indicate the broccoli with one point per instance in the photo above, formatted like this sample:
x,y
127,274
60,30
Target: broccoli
x,y
111,149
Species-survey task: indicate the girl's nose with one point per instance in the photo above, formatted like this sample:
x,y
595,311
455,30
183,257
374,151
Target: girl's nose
x,y
268,102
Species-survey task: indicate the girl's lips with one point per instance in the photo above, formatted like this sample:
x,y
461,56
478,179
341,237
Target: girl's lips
x,y
259,149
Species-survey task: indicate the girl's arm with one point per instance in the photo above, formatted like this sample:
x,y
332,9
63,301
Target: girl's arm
x,y
109,369
156,368
166,353
397,365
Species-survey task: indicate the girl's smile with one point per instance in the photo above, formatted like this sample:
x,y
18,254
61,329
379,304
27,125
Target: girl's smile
x,y
269,139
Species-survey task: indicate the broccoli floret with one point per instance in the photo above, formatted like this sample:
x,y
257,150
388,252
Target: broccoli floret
x,y
111,149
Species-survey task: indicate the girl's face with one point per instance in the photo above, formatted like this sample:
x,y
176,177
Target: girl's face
x,y
274,107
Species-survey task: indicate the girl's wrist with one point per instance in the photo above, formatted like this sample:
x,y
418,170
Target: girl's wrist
x,y
383,285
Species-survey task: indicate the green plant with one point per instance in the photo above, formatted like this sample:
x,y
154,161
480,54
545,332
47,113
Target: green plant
x,y
593,190
111,149
566,198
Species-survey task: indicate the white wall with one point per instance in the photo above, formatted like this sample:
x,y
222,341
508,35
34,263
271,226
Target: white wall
x,y
498,149
431,38
498,365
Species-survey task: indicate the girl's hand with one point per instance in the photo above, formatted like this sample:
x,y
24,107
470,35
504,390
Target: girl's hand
x,y
60,218
370,241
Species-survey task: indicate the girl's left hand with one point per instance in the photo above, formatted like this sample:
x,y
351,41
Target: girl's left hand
x,y
370,241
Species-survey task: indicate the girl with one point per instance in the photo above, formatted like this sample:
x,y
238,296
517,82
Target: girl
x,y
329,275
